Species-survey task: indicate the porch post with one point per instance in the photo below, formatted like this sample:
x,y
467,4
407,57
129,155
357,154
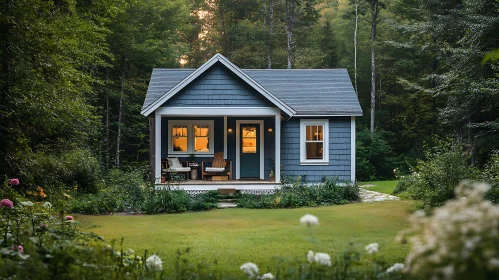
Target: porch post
x,y
157,173
277,167
225,137
352,148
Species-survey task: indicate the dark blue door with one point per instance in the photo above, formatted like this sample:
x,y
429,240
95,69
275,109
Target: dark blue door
x,y
250,151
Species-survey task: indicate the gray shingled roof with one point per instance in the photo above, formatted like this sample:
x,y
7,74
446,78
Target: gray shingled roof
x,y
307,91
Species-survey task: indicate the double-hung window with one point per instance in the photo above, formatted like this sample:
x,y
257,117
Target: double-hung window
x,y
190,137
314,142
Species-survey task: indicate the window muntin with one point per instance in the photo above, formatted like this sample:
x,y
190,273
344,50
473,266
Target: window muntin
x,y
190,137
314,140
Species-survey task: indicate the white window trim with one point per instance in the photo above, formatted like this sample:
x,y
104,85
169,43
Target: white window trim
x,y
303,135
190,137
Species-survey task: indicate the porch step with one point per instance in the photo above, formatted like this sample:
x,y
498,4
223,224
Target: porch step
x,y
227,200
227,203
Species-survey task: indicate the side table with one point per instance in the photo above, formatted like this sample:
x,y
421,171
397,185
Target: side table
x,y
194,170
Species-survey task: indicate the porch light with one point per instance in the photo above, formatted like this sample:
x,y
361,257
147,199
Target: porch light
x,y
269,129
229,130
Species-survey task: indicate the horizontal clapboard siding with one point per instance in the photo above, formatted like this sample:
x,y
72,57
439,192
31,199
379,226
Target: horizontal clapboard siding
x,y
339,151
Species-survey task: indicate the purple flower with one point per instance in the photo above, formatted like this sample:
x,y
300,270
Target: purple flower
x,y
20,249
14,181
69,218
6,203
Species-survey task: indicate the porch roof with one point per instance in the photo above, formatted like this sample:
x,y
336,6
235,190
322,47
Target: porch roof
x,y
298,92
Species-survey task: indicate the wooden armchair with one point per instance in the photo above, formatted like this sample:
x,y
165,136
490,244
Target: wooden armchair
x,y
173,165
217,167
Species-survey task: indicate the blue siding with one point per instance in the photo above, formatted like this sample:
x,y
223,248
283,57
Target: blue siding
x,y
218,87
339,151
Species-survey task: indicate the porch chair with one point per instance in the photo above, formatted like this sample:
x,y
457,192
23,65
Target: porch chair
x,y
217,167
174,166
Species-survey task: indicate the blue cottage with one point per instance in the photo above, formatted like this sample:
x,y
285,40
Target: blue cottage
x,y
299,121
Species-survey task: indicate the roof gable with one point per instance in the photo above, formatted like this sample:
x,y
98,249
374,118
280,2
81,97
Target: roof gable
x,y
174,89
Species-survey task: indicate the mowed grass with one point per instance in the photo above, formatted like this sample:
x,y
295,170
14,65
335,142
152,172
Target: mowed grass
x,y
381,186
235,236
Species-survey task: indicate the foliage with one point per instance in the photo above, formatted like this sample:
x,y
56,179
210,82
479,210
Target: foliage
x,y
433,181
374,159
299,194
122,192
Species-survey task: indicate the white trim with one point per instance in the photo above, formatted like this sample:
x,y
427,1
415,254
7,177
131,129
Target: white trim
x,y
352,147
332,115
238,147
202,187
190,137
236,70
325,138
218,111
225,137
157,146
277,132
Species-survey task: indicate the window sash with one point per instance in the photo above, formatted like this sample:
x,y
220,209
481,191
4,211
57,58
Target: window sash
x,y
314,142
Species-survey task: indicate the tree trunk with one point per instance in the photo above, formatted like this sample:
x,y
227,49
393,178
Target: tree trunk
x,y
120,114
271,33
374,15
108,149
355,46
290,18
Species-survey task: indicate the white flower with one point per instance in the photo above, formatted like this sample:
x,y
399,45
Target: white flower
x,y
250,269
154,263
47,205
322,259
372,248
27,203
395,268
267,276
310,256
309,220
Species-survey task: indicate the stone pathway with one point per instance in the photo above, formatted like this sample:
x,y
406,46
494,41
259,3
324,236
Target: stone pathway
x,y
372,196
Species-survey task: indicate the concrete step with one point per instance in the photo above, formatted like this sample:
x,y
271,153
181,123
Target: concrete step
x,y
226,205
227,200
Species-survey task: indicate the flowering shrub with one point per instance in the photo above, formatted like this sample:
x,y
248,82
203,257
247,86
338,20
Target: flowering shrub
x,y
460,241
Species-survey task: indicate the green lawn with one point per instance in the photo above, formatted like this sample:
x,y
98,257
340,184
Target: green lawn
x,y
381,186
235,236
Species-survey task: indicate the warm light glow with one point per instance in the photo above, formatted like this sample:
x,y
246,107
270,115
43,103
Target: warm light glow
x,y
269,129
229,130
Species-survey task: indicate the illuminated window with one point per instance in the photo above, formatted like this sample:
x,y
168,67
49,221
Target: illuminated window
x,y
190,137
314,142
201,138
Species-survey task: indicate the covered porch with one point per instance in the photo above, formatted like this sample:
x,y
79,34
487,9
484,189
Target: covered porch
x,y
249,139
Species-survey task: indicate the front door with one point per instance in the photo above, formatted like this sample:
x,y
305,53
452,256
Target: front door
x,y
250,151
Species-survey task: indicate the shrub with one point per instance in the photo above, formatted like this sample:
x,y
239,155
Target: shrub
x,y
434,180
300,194
123,192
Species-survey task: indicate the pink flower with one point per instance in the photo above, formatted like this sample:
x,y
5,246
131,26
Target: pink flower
x,y
14,181
6,203
18,248
69,218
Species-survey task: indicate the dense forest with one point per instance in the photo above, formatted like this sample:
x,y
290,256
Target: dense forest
x,y
74,73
